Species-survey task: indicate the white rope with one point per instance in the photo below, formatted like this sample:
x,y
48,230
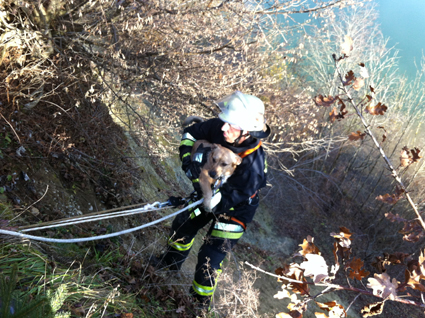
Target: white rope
x,y
100,237
91,218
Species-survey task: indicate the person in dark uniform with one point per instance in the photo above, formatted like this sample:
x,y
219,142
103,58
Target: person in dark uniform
x,y
240,127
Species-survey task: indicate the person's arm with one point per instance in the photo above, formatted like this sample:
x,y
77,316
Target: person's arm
x,y
190,135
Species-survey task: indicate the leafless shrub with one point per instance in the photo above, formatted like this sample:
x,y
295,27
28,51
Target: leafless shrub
x,y
237,296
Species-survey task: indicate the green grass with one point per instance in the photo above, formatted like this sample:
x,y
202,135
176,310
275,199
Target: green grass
x,y
55,289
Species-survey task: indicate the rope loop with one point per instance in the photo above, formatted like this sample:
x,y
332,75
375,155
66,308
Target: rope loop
x,y
100,237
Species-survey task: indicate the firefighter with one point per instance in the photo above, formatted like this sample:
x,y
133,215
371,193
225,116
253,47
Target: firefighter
x,y
239,127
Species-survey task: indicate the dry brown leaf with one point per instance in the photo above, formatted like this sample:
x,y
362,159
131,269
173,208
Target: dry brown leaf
x,y
349,78
414,273
354,266
392,198
343,237
335,310
394,217
388,198
358,83
373,309
407,157
415,155
333,115
378,109
294,271
412,231
326,306
383,286
396,258
354,136
379,263
315,266
308,247
326,101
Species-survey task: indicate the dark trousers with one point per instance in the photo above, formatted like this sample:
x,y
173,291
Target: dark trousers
x,y
222,235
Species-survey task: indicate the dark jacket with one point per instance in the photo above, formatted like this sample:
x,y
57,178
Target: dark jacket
x,y
248,178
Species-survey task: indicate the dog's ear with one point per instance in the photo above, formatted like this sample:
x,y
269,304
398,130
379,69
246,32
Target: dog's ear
x,y
238,160
214,146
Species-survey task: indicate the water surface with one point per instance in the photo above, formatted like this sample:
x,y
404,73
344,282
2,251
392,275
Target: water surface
x,y
403,21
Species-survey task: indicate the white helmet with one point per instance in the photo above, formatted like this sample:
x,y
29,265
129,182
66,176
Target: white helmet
x,y
242,110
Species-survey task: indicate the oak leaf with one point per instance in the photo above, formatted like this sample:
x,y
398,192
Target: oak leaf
x,y
354,136
343,237
334,115
394,217
396,258
326,101
378,109
388,198
347,45
379,264
308,247
358,83
349,78
335,310
383,286
373,309
413,274
412,231
354,267
315,266
392,198
294,271
388,259
415,155
340,252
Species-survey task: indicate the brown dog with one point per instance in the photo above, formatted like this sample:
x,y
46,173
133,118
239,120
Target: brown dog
x,y
220,165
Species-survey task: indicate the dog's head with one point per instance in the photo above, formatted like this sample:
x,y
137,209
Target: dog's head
x,y
223,162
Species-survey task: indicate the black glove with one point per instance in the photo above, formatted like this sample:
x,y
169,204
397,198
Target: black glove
x,y
175,201
193,170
